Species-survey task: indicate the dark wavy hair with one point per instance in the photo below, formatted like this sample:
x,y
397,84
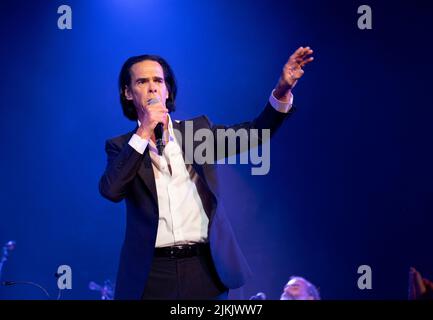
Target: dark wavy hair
x,y
125,80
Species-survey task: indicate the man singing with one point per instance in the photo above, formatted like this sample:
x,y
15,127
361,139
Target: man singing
x,y
178,243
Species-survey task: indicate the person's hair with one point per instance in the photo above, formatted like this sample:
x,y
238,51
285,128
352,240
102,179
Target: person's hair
x,y
125,80
311,289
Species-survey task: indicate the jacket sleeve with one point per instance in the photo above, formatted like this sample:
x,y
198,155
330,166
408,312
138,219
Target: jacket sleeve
x,y
234,139
122,166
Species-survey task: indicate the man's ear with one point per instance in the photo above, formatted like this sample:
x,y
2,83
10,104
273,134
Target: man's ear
x,y
128,94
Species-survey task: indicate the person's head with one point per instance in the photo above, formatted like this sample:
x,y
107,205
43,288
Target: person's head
x,y
298,288
145,77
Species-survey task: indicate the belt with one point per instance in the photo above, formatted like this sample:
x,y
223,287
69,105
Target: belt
x,y
183,251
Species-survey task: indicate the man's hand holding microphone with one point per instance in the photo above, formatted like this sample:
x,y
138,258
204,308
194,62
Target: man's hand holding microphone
x,y
153,119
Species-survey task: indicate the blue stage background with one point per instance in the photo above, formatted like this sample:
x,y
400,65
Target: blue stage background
x,y
351,179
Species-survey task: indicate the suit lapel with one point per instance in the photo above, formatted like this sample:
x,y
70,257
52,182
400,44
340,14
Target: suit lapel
x,y
206,193
179,128
146,174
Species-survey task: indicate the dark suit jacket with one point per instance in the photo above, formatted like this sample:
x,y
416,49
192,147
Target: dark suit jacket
x,y
129,175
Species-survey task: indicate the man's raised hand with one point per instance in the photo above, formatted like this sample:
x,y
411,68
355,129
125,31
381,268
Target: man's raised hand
x,y
292,72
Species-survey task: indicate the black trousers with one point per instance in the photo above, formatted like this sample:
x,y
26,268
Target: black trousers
x,y
192,278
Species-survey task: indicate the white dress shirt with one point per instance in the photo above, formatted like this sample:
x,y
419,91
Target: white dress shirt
x,y
182,218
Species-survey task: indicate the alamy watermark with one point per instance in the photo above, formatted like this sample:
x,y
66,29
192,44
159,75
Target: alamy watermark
x,y
64,277
365,21
226,145
65,20
365,280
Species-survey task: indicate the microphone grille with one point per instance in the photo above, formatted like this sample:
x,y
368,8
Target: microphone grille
x,y
153,101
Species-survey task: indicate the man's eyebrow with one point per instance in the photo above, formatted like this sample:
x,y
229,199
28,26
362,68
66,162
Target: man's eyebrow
x,y
147,79
141,79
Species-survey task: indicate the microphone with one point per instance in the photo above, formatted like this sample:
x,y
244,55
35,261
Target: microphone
x,y
94,286
258,296
106,290
159,130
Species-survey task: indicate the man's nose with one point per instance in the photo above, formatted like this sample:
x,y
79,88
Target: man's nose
x,y
152,87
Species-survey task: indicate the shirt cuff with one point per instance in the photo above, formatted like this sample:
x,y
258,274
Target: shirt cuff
x,y
138,143
281,106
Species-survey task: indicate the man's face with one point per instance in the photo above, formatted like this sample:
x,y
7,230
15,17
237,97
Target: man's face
x,y
297,288
147,82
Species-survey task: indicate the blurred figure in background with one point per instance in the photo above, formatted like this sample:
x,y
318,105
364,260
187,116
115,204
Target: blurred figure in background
x,y
298,288
419,288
